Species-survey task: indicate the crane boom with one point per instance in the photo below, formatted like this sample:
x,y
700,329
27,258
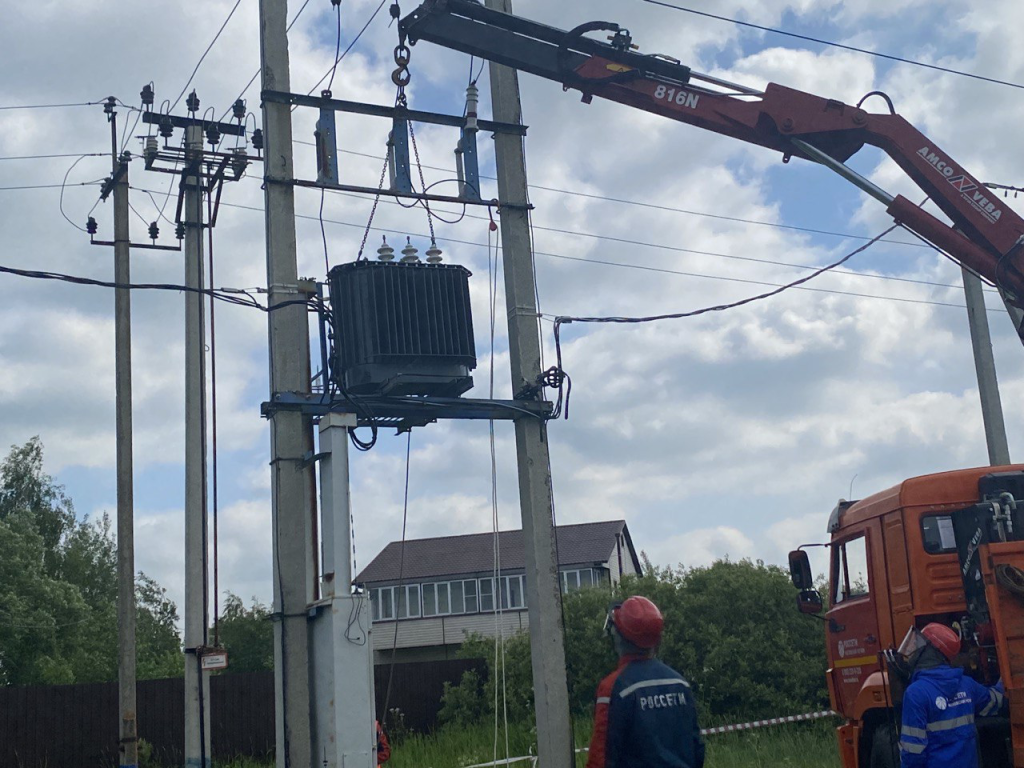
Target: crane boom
x,y
986,236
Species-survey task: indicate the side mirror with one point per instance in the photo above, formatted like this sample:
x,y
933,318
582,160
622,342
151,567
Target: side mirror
x,y
800,570
809,601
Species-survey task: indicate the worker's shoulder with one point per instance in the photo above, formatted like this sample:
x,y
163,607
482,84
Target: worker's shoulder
x,y
646,673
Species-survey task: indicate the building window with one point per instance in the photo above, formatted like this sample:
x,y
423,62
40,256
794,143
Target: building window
x,y
573,580
383,602
486,595
512,592
436,599
458,603
469,594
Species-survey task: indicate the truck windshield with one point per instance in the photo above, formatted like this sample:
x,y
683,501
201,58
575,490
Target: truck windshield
x,y
849,570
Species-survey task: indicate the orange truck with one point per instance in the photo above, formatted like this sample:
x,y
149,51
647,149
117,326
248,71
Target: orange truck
x,y
947,547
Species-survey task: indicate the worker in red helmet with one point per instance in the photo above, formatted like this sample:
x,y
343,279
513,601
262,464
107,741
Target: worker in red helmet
x,y
645,715
941,702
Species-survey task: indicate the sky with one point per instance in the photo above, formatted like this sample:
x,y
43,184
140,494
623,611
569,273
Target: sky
x,y
727,435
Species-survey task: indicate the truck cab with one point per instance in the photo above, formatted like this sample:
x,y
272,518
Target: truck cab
x,y
923,551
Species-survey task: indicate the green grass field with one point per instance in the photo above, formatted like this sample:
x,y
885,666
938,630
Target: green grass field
x,y
811,745
798,746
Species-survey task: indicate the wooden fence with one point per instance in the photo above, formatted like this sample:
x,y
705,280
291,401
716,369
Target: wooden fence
x,y
70,726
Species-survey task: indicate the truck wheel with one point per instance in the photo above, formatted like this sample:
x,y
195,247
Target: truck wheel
x,y
885,752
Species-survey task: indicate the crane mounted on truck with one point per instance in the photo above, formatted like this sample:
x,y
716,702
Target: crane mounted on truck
x,y
946,547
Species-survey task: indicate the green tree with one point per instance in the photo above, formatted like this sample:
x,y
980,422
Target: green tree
x,y
731,628
58,587
247,634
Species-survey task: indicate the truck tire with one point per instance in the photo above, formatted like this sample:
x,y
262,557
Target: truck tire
x,y
885,751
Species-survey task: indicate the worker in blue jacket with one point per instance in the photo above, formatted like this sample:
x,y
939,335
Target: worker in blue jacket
x,y
941,702
645,715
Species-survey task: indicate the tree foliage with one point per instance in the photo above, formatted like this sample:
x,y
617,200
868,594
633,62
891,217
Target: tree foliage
x,y
58,588
731,628
247,634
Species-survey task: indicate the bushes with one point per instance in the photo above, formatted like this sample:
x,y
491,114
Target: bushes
x,y
731,628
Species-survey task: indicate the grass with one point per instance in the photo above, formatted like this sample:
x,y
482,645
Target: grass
x,y
805,745
810,745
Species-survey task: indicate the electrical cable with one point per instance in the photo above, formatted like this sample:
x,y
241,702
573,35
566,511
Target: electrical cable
x,y
820,41
257,74
337,46
323,233
48,157
203,57
355,40
227,295
561,320
722,278
401,574
21,187
213,431
63,184
652,206
53,106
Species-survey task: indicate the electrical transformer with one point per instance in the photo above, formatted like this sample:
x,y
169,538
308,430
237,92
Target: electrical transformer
x,y
401,328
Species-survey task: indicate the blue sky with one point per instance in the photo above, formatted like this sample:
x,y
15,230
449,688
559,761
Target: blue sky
x,y
731,435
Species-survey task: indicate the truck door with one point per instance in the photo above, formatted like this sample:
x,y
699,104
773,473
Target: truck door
x,y
852,627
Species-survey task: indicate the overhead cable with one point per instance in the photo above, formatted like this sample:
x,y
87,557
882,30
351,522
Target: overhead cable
x,y
257,74
355,40
203,57
820,41
63,154
667,271
237,296
653,206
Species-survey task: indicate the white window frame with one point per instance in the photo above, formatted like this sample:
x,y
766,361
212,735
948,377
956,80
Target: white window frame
x,y
506,592
490,586
376,596
476,595
452,586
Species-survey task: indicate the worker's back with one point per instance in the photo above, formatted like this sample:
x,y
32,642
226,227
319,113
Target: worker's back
x,y
652,720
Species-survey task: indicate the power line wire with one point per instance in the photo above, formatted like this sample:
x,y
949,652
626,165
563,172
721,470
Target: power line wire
x,y
852,294
203,57
257,74
820,41
655,206
52,106
47,157
355,40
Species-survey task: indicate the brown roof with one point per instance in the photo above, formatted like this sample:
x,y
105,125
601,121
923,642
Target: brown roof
x,y
581,544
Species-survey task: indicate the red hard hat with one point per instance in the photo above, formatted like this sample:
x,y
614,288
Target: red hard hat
x,y
946,640
639,621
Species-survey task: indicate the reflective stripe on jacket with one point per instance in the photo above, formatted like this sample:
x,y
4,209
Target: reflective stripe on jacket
x,y
938,728
645,718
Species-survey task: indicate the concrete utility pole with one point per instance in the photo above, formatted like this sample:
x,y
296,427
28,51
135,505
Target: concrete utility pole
x,y
291,433
543,597
128,732
985,366
342,647
197,682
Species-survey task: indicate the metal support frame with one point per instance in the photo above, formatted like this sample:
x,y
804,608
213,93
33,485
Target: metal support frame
x,y
327,148
401,166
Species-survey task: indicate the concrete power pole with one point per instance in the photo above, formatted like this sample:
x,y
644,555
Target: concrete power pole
x,y
291,433
197,682
543,596
985,366
128,732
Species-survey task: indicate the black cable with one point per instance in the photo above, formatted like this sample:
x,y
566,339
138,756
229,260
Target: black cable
x,y
818,40
253,78
47,157
323,233
561,320
94,183
208,49
401,575
63,184
692,274
229,296
54,106
653,206
355,40
337,47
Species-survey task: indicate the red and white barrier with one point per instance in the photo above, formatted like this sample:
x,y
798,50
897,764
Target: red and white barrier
x,y
765,723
